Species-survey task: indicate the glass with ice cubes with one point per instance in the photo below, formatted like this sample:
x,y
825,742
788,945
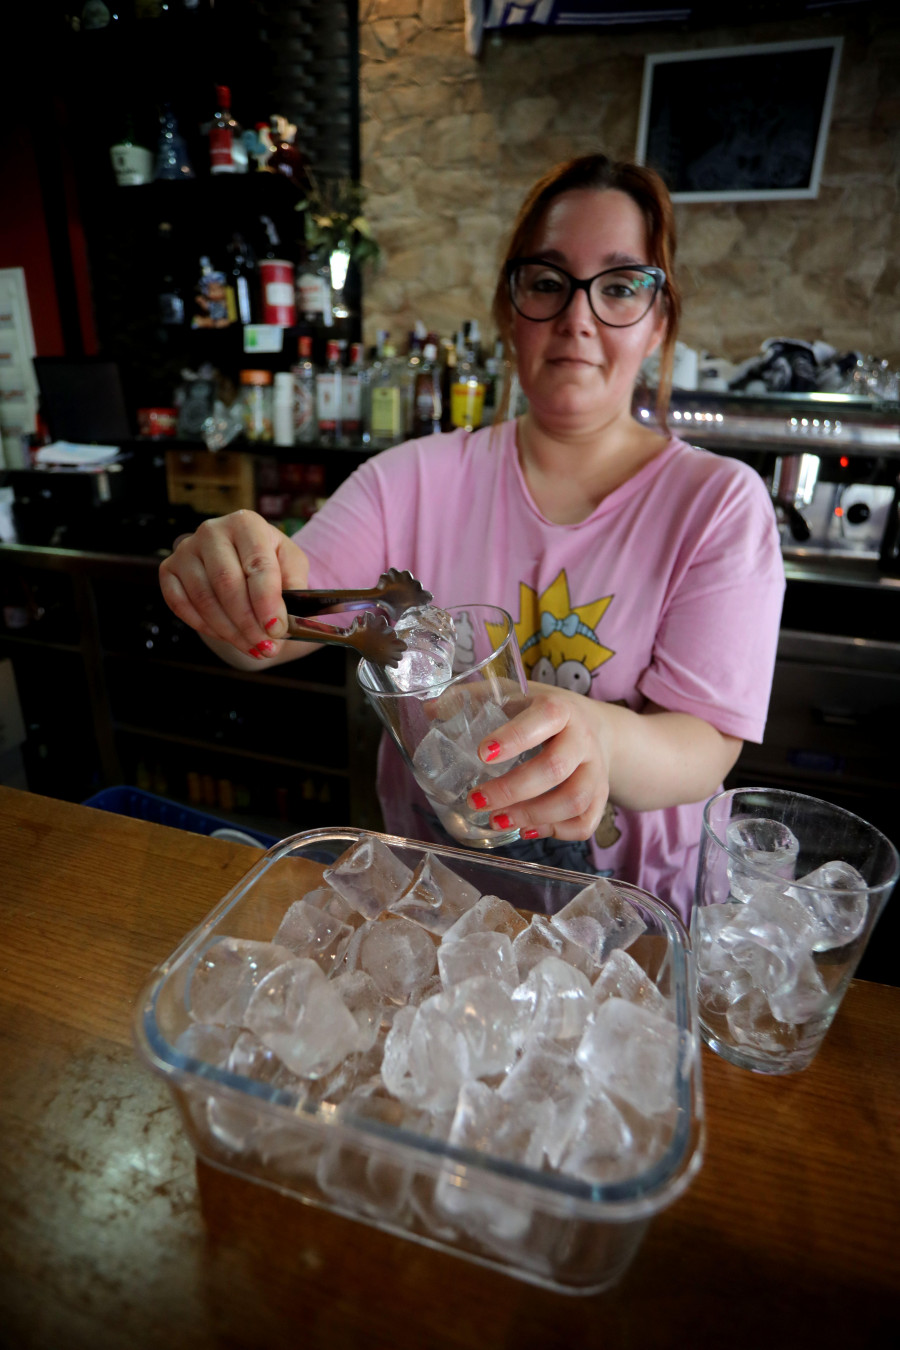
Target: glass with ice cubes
x,y
789,889
458,682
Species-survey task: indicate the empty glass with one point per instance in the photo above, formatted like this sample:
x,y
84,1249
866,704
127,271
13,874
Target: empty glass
x,y
789,889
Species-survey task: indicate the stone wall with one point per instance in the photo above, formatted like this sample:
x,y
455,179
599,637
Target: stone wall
x,y
451,143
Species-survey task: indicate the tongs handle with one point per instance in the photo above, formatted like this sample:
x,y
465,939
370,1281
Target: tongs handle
x,y
370,634
395,593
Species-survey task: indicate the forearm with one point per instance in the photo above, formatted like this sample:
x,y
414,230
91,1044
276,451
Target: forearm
x,y
658,758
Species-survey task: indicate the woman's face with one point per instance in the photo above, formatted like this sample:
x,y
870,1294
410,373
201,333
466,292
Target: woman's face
x,y
575,371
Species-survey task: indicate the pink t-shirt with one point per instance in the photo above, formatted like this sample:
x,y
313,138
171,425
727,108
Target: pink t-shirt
x,y
670,592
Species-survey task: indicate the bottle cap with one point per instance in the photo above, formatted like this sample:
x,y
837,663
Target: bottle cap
x,y
304,346
256,377
223,94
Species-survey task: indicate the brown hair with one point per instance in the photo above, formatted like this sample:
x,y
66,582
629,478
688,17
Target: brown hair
x,y
647,189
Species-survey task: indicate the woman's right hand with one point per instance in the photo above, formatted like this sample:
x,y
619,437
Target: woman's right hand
x,y
225,580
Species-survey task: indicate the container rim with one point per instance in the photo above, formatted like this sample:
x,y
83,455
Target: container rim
x,y
641,1195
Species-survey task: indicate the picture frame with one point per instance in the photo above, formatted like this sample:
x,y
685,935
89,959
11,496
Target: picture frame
x,y
739,123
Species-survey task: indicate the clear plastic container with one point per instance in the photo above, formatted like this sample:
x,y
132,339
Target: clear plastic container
x,y
546,1227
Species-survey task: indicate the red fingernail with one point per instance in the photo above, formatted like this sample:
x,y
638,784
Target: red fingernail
x,y
270,624
253,652
265,647
501,822
479,800
492,752
529,834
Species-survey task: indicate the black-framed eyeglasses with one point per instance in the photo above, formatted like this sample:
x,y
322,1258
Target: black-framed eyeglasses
x,y
618,296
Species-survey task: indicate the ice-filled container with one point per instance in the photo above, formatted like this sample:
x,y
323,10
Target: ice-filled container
x,y
569,1215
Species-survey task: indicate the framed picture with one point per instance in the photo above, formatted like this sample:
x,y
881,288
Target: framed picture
x,y
739,124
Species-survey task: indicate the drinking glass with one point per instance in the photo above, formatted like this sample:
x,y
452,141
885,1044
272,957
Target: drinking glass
x,y
438,729
789,889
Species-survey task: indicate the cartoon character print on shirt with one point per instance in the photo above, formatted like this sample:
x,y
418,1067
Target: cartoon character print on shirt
x,y
559,646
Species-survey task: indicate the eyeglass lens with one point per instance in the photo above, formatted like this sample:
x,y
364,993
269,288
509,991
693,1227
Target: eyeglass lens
x,y
618,297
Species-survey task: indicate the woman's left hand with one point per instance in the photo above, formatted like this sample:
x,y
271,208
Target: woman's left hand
x,y
563,790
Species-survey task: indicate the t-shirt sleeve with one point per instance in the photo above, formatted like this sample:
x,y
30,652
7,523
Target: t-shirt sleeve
x,y
345,540
714,654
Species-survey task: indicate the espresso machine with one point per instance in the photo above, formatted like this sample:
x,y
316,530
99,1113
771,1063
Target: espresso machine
x,y
831,462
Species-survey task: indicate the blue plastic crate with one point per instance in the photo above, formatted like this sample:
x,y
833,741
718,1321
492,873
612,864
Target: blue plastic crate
x,y
129,801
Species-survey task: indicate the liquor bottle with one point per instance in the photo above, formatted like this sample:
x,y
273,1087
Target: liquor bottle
x,y
328,395
306,425
244,279
283,408
352,394
170,299
467,387
314,291
132,163
227,151
172,161
493,378
285,158
386,420
425,403
276,278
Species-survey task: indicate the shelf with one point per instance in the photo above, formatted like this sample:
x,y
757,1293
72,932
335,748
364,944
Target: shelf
x,y
216,747
222,671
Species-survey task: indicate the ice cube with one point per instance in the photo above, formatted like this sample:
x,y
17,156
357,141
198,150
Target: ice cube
x,y
443,768
252,1059
556,998
369,875
209,1043
752,1023
426,1057
398,954
718,992
767,936
601,1145
492,1024
516,1132
805,997
309,931
368,1180
332,902
489,914
474,719
364,1000
599,919
478,954
837,896
296,1012
541,939
632,1053
226,975
548,1073
436,896
622,977
765,846
427,663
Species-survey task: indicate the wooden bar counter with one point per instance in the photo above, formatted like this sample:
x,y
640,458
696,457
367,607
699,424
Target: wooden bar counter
x,y
111,1235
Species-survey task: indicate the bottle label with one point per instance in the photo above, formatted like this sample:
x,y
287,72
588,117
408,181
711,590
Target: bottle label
x,y
304,410
351,403
386,412
220,156
466,403
312,297
328,400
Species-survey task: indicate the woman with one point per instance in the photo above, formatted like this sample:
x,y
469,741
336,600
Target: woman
x,y
644,575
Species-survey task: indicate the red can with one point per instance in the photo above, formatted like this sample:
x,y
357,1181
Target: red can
x,y
277,284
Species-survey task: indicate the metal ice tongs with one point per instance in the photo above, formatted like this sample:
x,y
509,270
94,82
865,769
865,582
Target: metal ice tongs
x,y
370,633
